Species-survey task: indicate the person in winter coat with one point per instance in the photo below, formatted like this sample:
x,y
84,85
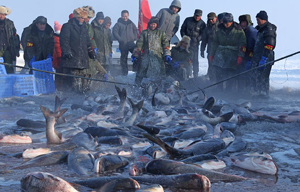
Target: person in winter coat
x,y
182,59
193,27
244,81
169,19
9,39
57,56
76,49
228,50
207,39
40,41
125,32
153,46
263,52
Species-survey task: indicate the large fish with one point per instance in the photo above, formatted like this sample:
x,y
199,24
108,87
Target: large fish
x,y
122,182
41,181
81,161
135,111
85,140
30,123
52,136
109,163
205,116
197,148
170,167
44,160
256,163
184,181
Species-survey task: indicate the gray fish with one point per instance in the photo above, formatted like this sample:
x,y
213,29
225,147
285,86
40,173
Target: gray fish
x,y
85,140
42,181
122,182
102,131
44,160
52,136
108,187
196,148
81,161
184,181
135,111
204,116
109,163
170,167
198,158
30,123
111,140
150,129
236,146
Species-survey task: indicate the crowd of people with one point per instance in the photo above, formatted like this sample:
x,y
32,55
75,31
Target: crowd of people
x,y
83,48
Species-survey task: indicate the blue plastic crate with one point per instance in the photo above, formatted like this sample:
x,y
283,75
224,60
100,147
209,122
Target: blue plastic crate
x,y
44,81
6,83
24,85
2,67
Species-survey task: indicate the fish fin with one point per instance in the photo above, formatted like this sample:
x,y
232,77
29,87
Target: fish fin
x,y
151,130
209,103
58,103
59,134
45,111
153,97
227,116
107,187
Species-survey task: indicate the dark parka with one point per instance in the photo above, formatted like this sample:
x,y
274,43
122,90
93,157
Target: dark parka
x,y
39,44
124,32
264,46
227,46
75,40
193,29
169,21
251,35
91,34
12,39
101,38
208,36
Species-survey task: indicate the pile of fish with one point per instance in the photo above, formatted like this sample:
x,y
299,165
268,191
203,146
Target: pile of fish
x,y
161,139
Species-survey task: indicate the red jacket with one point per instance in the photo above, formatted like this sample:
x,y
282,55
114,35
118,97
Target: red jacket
x,y
56,53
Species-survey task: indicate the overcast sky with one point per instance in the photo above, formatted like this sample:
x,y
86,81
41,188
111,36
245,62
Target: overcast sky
x,y
284,14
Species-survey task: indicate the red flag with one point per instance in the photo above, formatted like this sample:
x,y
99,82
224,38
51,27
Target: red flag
x,y
144,15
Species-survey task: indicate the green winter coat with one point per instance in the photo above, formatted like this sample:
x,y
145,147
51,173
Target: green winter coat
x,y
102,41
227,47
91,34
154,45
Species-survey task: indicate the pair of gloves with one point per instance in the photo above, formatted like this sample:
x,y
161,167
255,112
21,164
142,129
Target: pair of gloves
x,y
261,64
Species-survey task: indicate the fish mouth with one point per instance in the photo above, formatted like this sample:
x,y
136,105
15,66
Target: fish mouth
x,y
205,182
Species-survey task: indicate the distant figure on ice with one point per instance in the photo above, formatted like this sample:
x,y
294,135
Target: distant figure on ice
x,y
244,81
39,42
182,59
76,49
207,39
125,31
9,39
194,27
169,19
263,53
153,47
228,50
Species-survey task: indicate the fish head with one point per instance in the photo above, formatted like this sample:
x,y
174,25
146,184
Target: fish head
x,y
134,170
99,165
265,164
205,182
227,137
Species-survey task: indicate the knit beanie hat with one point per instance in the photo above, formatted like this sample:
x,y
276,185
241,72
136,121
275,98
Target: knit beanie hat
x,y
107,20
262,15
5,10
90,11
71,16
100,15
57,27
79,12
228,17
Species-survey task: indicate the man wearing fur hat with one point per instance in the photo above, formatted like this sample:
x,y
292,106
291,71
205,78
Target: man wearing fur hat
x,y
169,19
207,39
40,41
244,81
125,31
182,59
227,51
9,39
76,49
152,46
194,27
263,52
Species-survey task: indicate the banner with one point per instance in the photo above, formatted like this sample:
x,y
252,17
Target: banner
x,y
144,15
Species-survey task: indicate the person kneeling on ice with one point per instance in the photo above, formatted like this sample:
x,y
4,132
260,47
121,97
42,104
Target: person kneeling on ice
x,y
152,46
182,59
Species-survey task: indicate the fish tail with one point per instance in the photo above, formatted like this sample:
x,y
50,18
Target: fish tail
x,y
58,103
